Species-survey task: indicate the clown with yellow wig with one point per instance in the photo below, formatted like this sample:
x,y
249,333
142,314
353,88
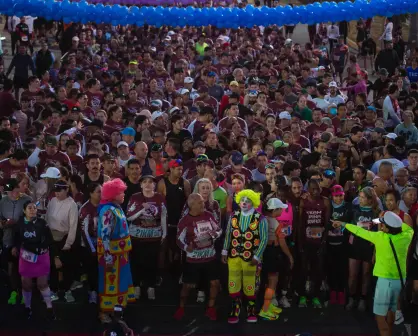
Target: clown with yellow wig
x,y
245,241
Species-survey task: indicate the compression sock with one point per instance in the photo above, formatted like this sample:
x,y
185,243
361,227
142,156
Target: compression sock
x,y
268,296
46,294
27,298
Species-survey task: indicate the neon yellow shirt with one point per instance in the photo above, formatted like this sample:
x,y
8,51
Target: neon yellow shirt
x,y
200,48
385,266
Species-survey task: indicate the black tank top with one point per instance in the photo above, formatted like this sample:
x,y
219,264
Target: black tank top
x,y
87,181
175,199
146,169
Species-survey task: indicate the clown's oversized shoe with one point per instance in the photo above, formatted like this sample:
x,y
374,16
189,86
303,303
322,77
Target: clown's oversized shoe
x,y
235,311
251,315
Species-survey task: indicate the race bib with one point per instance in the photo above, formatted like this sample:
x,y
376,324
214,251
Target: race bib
x,y
364,225
287,231
314,232
29,256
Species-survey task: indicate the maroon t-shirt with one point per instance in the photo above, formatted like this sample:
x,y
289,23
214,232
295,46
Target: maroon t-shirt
x,y
57,160
87,222
315,131
8,171
95,100
198,230
144,214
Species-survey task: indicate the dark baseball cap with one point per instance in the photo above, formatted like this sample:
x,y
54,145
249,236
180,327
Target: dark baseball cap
x,y
237,158
199,144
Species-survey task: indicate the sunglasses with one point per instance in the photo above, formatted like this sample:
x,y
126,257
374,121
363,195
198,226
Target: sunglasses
x,y
270,166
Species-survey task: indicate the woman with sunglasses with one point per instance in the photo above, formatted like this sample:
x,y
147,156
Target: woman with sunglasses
x,y
147,215
62,218
33,244
360,252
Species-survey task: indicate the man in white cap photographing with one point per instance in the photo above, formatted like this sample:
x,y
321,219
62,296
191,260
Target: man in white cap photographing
x,y
392,243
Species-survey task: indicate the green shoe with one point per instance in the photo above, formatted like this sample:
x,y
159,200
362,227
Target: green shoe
x,y
316,303
268,315
302,302
13,298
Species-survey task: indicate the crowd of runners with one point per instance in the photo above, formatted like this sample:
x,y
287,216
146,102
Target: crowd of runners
x,y
174,151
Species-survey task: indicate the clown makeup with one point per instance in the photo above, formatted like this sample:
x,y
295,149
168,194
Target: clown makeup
x,y
245,204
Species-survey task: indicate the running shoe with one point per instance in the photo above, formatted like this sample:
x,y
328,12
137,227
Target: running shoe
x,y
235,311
54,296
76,285
341,298
13,298
28,312
137,292
151,293
275,309
316,303
351,304
399,317
302,302
93,297
68,296
200,297
211,313
362,305
50,314
284,302
333,298
268,315
251,315
178,315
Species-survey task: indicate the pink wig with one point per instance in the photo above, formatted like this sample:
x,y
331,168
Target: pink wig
x,y
111,189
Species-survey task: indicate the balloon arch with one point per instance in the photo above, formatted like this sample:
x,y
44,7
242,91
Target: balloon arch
x,y
221,17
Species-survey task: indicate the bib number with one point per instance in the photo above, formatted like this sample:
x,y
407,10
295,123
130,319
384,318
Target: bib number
x,y
29,256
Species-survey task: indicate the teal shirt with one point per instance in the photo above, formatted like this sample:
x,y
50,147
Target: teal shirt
x,y
244,223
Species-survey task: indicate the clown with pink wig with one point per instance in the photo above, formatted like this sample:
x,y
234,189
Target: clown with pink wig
x,y
113,246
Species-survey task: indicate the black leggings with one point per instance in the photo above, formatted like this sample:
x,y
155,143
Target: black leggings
x,y
337,266
90,267
70,266
144,260
312,266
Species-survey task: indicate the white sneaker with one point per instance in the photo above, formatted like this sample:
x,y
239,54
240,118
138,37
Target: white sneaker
x,y
54,297
274,302
324,286
399,317
151,293
200,297
351,304
93,297
137,293
69,297
362,305
284,302
76,285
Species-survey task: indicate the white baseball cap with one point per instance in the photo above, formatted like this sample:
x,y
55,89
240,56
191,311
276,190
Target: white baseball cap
x,y
275,203
392,136
332,84
390,219
188,80
285,115
156,115
122,143
52,172
288,41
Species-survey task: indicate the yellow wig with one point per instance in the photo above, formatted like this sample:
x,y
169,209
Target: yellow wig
x,y
251,195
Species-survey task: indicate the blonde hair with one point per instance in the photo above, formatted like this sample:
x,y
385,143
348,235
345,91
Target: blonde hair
x,y
198,183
